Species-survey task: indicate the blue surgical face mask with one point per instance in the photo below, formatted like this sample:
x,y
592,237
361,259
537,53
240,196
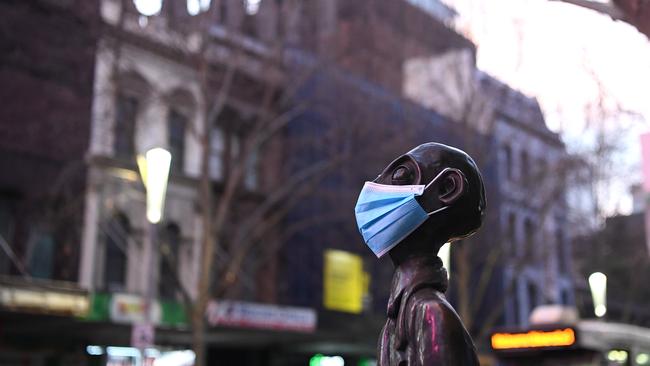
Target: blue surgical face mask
x,y
387,214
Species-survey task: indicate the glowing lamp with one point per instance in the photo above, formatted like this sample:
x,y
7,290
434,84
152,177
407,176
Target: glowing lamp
x,y
148,7
598,286
154,169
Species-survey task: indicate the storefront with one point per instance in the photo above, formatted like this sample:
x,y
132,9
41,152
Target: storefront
x,y
66,326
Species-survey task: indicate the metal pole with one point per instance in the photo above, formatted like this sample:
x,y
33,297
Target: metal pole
x,y
150,283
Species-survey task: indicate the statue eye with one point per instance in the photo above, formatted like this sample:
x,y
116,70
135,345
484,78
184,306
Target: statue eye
x,y
402,175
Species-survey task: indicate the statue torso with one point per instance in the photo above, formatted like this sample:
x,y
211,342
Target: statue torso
x,y
422,328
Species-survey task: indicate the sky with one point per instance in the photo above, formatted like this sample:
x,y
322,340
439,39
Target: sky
x,y
566,56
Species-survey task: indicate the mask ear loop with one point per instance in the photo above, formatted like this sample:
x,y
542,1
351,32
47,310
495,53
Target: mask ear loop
x,y
439,175
432,181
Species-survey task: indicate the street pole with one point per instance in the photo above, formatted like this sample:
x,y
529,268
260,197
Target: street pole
x,y
149,327
154,169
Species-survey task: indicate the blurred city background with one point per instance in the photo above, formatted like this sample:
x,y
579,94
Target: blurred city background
x,y
178,177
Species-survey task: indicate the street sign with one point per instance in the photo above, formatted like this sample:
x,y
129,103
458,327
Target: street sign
x,y
142,335
127,308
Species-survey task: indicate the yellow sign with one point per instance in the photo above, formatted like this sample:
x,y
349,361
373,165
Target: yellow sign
x,y
534,339
344,281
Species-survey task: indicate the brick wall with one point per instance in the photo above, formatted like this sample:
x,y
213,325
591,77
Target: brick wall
x,y
46,70
375,38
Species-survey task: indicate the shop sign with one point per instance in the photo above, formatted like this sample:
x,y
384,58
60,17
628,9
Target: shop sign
x,y
44,301
262,316
344,281
533,339
130,309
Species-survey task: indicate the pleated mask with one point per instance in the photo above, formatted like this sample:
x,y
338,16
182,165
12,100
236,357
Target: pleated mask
x,y
386,214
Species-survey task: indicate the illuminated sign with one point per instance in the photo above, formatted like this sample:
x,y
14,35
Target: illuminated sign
x,y
344,281
262,316
128,309
534,339
320,360
75,304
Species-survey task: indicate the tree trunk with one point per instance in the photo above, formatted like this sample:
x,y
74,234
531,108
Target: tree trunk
x,y
207,244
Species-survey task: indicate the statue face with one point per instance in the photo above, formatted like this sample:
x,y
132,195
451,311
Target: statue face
x,y
402,171
420,166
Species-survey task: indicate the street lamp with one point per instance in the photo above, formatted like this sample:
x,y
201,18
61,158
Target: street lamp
x,y
154,170
598,286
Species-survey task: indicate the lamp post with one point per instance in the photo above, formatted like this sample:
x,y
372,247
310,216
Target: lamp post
x,y
154,170
598,286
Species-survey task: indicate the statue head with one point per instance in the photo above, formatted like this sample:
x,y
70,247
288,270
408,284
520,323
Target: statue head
x,y
455,196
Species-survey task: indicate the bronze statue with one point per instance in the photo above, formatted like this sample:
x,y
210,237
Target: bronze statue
x,y
425,198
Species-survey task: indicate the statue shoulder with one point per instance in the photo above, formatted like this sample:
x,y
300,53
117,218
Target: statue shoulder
x,y
433,304
434,322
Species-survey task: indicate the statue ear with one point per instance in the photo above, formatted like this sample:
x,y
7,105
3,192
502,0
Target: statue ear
x,y
451,187
402,171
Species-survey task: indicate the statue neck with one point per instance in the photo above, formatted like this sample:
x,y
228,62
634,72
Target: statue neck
x,y
413,249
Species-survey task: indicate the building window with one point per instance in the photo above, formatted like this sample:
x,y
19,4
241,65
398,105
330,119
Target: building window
x,y
517,306
251,164
542,170
195,7
564,297
176,139
507,161
6,231
561,258
168,280
252,7
124,131
511,235
525,167
117,231
223,11
249,23
529,234
532,296
217,150
40,253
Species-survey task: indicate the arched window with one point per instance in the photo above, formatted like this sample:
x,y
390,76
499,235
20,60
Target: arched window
x,y
126,111
181,106
116,232
133,91
169,278
176,126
